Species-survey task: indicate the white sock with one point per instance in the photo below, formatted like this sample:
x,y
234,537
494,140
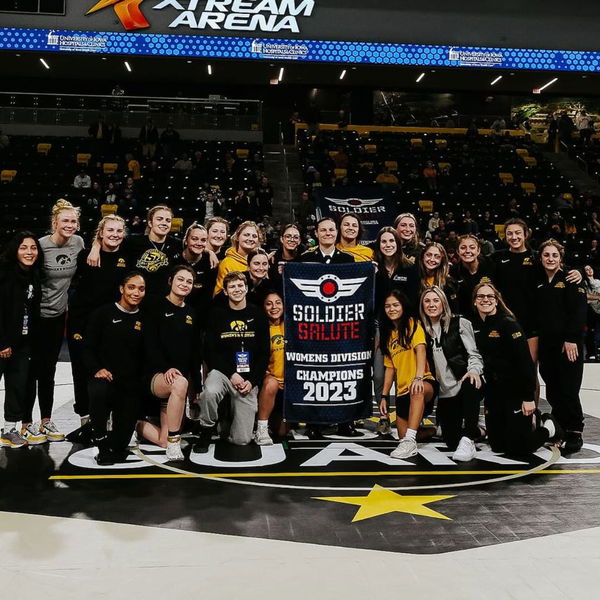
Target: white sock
x,y
263,422
411,434
8,425
549,425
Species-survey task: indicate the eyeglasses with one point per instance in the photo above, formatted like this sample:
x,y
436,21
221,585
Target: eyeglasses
x,y
485,297
291,237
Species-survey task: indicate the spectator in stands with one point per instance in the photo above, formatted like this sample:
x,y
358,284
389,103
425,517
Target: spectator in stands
x,y
592,337
95,196
340,158
469,225
264,196
487,227
433,222
20,294
565,127
169,142
237,356
148,138
82,180
133,167
118,90
4,141
553,132
430,174
113,140
98,129
585,125
60,250
110,194
183,165
200,167
498,126
387,177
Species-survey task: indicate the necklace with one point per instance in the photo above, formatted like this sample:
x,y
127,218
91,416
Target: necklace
x,y
156,247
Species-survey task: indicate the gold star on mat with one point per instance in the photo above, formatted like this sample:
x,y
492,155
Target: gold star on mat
x,y
381,502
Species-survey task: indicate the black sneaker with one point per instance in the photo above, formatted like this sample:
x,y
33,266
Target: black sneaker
x,y
105,458
348,430
83,435
203,443
314,432
573,442
559,431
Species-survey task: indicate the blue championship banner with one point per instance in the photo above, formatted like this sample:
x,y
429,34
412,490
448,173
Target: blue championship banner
x,y
329,342
373,203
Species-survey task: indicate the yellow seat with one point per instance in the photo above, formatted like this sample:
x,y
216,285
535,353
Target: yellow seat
x,y
370,148
522,152
366,165
7,174
441,143
392,165
426,205
333,153
444,165
528,188
530,161
109,168
215,186
416,142
108,209
176,224
242,152
83,158
500,231
339,173
568,197
506,178
43,148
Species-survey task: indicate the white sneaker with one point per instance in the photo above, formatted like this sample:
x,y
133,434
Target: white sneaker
x,y
174,449
465,451
262,437
32,434
50,430
406,448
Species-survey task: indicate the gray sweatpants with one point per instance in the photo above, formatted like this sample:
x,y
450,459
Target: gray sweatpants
x,y
243,408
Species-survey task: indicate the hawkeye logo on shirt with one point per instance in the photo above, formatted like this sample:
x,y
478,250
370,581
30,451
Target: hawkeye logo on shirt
x,y
277,341
493,334
188,320
527,261
560,285
138,326
152,260
516,335
121,263
238,326
485,280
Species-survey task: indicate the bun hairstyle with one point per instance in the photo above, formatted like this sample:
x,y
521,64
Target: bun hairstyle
x,y
61,206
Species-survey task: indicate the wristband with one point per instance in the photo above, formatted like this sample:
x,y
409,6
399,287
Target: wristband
x,y
418,379
385,397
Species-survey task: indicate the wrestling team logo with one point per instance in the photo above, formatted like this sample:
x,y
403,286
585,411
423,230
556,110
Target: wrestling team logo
x,y
328,288
152,260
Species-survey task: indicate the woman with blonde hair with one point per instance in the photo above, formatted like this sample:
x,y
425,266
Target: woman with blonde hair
x,y
218,230
60,250
408,229
434,269
247,237
457,366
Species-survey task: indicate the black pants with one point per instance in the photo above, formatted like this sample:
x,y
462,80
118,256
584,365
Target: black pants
x,y
15,370
123,402
452,412
508,429
80,376
46,348
563,382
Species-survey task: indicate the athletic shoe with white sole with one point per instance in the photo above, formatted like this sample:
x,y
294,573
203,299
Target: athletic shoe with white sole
x,y
406,448
50,430
12,439
262,437
465,451
174,448
33,435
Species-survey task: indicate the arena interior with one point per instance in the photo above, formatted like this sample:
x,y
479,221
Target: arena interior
x,y
467,120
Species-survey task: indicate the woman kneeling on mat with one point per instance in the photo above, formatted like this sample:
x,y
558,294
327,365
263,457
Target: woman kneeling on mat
x,y
173,357
452,351
404,347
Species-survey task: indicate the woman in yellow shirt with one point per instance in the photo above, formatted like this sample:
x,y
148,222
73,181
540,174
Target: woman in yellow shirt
x,y
404,346
271,392
349,236
247,237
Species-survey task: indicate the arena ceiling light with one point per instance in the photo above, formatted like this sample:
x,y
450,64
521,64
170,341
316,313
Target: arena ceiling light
x,y
209,69
548,84
128,66
44,63
281,71
496,80
420,76
343,74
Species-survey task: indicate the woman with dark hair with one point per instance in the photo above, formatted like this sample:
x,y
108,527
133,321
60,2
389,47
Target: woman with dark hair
x,y
471,270
258,276
113,356
173,360
561,310
458,366
434,269
513,424
20,293
405,357
290,249
349,235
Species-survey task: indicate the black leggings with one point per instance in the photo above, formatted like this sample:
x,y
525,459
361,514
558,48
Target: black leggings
x,y
46,348
15,370
123,401
75,333
452,412
508,429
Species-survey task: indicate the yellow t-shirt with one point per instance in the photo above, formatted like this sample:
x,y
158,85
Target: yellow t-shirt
x,y
134,167
404,360
429,281
359,252
233,261
276,358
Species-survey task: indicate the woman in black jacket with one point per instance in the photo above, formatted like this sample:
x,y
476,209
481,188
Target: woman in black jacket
x,y
20,293
457,366
513,423
113,357
434,269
